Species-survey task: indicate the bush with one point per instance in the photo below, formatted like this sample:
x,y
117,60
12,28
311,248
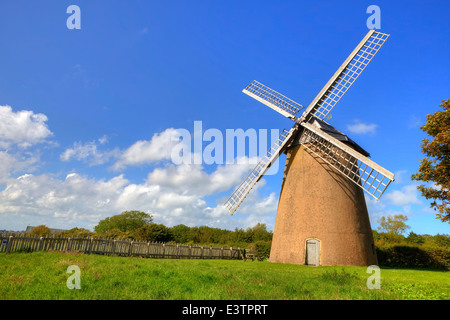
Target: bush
x,y
414,256
152,233
77,233
41,230
442,240
415,238
262,249
114,234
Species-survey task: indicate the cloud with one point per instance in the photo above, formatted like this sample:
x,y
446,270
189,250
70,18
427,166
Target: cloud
x,y
22,128
406,196
192,177
359,127
16,163
89,152
158,148
182,194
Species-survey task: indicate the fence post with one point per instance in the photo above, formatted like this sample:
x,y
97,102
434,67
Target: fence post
x,y
90,244
104,245
53,242
41,243
22,243
130,248
201,256
8,245
164,250
69,244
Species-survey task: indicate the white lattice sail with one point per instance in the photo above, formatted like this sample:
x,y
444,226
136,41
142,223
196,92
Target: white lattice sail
x,y
365,173
346,75
368,175
275,100
260,169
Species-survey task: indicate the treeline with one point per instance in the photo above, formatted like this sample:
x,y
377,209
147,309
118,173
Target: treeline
x,y
134,225
414,250
393,248
389,238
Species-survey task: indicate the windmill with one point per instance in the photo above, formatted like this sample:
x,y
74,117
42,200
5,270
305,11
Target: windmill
x,y
322,215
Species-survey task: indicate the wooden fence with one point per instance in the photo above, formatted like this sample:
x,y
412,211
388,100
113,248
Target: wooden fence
x,y
10,244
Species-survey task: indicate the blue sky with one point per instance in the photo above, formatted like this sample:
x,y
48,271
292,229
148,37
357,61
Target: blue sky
x,y
87,114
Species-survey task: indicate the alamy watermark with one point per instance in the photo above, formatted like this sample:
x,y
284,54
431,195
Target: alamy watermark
x,y
374,21
374,281
74,281
213,146
74,20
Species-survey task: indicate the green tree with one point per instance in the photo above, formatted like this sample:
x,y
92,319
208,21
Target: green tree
x,y
152,233
435,168
393,224
415,238
77,232
260,233
41,230
442,240
126,221
180,233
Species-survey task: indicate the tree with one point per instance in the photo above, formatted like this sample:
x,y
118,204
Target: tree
x,y
77,232
126,221
260,233
415,238
435,168
393,224
180,233
41,230
153,233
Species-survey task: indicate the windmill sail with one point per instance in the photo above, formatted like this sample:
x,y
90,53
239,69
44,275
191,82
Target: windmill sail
x,y
346,75
273,99
365,173
274,152
356,166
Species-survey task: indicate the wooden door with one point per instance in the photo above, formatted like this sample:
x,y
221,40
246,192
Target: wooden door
x,y
312,252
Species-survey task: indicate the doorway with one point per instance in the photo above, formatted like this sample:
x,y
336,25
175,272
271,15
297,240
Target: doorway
x,y
312,252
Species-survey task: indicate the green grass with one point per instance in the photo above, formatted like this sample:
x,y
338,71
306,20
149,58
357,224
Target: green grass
x,y
42,275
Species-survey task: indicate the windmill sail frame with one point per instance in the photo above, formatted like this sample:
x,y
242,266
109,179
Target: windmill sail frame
x,y
260,169
368,175
364,172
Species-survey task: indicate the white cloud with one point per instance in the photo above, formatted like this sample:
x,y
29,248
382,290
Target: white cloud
x,y
168,194
159,147
173,194
359,127
406,196
89,152
22,128
193,178
16,163
393,203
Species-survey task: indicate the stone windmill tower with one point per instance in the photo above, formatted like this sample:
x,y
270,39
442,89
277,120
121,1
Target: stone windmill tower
x,y
322,216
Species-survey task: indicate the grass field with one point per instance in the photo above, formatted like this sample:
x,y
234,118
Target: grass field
x,y
42,275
